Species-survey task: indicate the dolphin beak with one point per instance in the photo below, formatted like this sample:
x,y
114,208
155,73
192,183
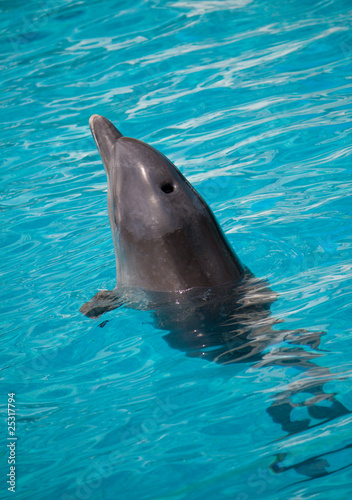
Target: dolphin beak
x,y
106,136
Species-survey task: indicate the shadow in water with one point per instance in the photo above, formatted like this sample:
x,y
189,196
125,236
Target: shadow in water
x,y
233,324
313,467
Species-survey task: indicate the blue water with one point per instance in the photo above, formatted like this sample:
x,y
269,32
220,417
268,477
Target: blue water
x,y
252,100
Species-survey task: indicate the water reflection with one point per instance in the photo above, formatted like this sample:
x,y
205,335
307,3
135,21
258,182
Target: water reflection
x,y
233,324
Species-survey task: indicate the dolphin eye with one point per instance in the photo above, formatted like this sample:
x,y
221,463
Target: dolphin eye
x,y
167,187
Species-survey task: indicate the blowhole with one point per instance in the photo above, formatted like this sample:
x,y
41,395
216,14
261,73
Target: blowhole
x,y
167,187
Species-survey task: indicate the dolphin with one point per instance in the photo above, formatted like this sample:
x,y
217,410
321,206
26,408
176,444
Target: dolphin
x,y
173,259
165,236
172,256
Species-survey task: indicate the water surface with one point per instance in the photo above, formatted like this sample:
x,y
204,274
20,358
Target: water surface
x,y
252,101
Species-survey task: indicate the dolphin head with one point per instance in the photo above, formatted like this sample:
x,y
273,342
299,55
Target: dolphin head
x,y
165,236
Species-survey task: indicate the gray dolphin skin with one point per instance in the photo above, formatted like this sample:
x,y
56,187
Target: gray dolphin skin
x,y
165,236
173,259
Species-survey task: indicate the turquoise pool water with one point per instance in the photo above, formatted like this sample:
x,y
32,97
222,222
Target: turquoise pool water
x,y
252,100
